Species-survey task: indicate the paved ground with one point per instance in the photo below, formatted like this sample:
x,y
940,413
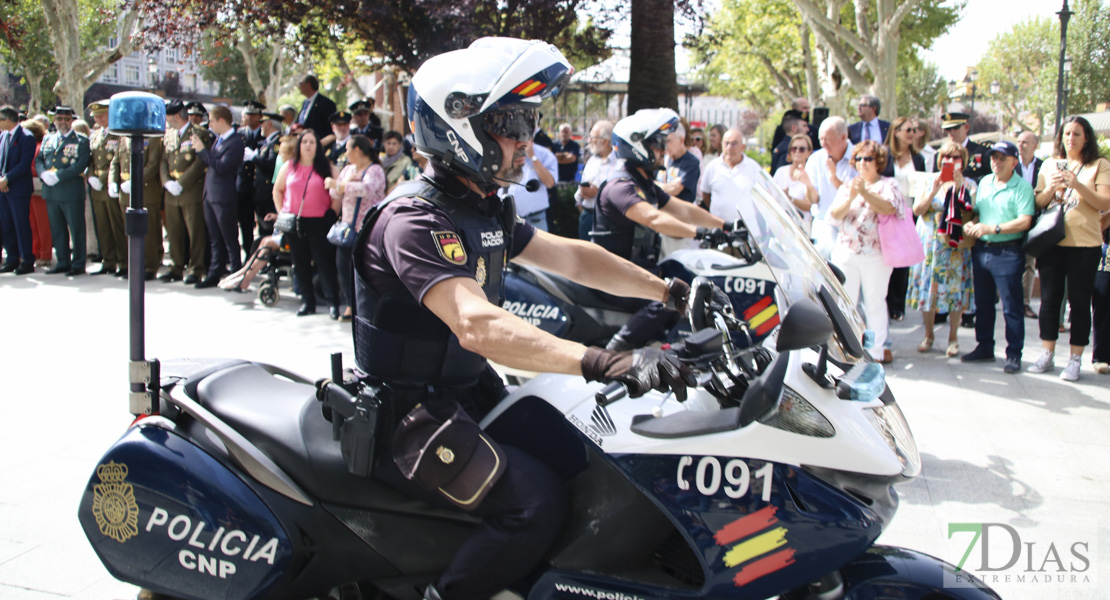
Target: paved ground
x,y
1026,451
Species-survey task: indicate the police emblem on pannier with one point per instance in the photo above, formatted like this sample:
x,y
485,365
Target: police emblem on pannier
x,y
114,506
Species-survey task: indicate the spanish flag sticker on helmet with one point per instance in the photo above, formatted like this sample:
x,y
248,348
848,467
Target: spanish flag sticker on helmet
x,y
450,247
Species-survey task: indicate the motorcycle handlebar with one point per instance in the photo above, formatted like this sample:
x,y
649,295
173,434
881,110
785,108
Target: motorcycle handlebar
x,y
609,394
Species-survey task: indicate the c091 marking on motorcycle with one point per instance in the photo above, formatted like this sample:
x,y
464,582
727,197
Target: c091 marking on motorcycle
x,y
743,285
736,477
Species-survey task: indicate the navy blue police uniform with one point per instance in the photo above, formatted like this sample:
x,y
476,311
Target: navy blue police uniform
x,y
632,241
428,231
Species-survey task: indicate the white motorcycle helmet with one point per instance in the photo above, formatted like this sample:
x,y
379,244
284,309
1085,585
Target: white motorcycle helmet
x,y
635,136
457,99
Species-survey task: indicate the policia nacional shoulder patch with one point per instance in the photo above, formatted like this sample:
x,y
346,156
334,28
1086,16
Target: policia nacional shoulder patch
x,y
450,247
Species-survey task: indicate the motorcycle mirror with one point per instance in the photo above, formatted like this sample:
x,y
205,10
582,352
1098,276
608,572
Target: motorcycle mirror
x,y
763,396
837,272
805,325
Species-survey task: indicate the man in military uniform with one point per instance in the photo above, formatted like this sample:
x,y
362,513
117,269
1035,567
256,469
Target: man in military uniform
x,y
365,122
109,220
265,162
956,127
152,196
60,164
336,143
251,132
198,115
429,267
182,175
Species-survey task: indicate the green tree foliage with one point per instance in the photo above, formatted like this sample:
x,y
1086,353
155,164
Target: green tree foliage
x,y
1089,47
920,87
1022,61
25,49
222,63
752,49
757,50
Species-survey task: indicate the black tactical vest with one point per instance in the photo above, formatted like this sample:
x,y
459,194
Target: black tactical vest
x,y
397,339
638,244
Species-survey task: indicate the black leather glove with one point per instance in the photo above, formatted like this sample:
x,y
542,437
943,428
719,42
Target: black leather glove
x,y
678,295
712,237
729,226
639,370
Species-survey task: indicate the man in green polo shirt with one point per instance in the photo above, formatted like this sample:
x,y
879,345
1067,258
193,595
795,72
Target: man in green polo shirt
x,y
1004,211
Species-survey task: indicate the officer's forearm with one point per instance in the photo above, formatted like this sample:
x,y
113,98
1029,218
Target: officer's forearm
x,y
496,334
592,266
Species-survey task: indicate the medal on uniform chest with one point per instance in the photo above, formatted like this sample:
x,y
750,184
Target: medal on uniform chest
x,y
480,271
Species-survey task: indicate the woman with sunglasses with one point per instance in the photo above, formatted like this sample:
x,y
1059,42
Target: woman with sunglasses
x,y
943,281
901,162
695,142
793,179
857,252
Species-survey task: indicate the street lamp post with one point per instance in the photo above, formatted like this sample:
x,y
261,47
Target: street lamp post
x,y
1064,14
995,88
1067,87
972,76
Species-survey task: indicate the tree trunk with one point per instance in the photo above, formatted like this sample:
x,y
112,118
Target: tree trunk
x,y
34,86
79,67
651,81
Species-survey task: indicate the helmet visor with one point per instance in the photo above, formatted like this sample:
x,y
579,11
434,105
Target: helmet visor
x,y
517,123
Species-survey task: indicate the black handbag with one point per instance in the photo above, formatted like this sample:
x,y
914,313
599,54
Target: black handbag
x,y
1046,232
342,233
288,222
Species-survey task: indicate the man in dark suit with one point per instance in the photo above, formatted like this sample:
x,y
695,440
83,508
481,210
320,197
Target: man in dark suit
x,y
870,126
17,152
251,132
265,161
223,158
365,122
316,108
792,126
799,109
1029,168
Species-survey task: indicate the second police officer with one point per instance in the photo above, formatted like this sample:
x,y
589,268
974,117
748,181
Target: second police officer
x,y
428,285
631,211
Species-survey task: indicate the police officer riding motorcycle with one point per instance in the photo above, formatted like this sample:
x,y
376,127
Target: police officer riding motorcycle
x,y
632,211
428,314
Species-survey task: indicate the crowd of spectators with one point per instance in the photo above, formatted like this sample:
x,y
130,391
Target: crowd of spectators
x,y
219,181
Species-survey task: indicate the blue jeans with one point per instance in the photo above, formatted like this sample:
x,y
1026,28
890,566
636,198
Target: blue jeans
x,y
538,219
998,270
585,223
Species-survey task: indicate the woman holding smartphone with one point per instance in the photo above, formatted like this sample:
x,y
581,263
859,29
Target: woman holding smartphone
x,y
1079,181
943,282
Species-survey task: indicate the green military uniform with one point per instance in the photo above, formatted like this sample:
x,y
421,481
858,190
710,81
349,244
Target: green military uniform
x,y
109,220
67,156
185,212
152,195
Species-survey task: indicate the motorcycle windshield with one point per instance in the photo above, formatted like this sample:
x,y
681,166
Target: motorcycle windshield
x,y
797,268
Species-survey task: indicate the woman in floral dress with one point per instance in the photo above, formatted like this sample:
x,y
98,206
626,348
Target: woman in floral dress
x,y
942,282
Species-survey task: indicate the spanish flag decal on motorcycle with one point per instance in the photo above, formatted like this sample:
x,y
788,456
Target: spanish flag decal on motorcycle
x,y
757,543
450,247
529,88
763,315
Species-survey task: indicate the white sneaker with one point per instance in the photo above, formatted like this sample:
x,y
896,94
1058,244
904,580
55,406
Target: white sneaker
x,y
1071,372
1045,362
